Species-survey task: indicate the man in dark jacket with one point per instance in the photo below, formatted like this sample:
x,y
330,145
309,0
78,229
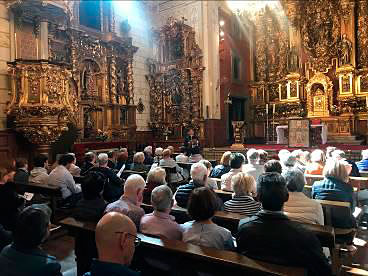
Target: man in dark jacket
x,y
24,256
89,163
270,236
113,186
21,174
198,173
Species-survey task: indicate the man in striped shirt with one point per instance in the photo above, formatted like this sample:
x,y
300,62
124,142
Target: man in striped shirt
x,y
244,187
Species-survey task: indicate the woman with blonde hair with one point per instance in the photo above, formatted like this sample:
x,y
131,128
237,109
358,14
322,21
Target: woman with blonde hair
x,y
318,159
244,187
224,166
335,187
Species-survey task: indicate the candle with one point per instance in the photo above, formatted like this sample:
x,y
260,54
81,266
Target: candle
x,y
266,108
37,48
274,108
15,42
366,101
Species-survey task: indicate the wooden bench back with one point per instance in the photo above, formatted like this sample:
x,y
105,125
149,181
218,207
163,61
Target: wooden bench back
x,y
179,255
325,234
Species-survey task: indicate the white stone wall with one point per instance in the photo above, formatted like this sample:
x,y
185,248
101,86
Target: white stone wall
x,y
4,58
140,20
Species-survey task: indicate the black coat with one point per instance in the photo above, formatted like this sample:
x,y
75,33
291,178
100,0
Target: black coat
x,y
273,238
113,188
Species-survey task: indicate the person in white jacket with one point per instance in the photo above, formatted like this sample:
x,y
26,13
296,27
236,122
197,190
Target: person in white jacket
x,y
299,207
39,173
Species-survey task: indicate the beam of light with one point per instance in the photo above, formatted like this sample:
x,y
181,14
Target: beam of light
x,y
251,6
131,10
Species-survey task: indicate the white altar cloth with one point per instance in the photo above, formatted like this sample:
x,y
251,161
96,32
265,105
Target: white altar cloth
x,y
282,139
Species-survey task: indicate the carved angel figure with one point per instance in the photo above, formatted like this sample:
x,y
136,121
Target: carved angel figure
x,y
345,50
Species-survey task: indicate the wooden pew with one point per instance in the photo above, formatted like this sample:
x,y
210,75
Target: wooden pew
x,y
45,189
224,195
357,182
126,173
180,255
325,234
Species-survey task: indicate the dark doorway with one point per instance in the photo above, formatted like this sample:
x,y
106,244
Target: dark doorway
x,y
236,113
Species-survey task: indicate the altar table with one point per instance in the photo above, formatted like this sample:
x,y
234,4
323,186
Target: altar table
x,y
282,139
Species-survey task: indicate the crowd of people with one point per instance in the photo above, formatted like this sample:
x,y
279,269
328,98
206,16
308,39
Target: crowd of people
x,y
267,191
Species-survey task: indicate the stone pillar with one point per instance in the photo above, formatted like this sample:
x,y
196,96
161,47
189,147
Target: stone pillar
x,y
44,40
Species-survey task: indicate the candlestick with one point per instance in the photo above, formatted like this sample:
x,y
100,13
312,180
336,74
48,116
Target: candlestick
x,y
266,108
15,42
274,108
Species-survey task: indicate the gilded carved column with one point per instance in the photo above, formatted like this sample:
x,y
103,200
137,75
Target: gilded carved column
x,y
130,81
113,92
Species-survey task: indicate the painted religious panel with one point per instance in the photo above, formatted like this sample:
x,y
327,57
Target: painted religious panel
x,y
283,92
363,84
345,84
293,90
299,133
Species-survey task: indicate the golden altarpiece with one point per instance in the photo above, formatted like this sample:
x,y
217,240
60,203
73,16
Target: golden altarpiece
x,y
67,71
175,81
311,61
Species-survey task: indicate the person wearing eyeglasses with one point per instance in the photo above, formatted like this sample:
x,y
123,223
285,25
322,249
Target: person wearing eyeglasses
x,y
116,239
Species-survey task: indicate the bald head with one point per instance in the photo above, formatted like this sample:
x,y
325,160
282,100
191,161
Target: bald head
x,y
115,238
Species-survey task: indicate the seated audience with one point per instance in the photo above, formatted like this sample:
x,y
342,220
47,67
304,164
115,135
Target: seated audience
x,y
195,155
167,161
92,206
155,177
335,186
183,156
270,236
121,160
299,207
329,151
138,161
116,238
318,160
236,162
202,231
113,186
89,162
158,155
60,176
253,168
198,173
6,237
363,164
160,223
10,202
223,167
306,158
263,156
287,161
130,202
39,172
148,158
273,166
21,174
74,169
340,155
112,159
283,153
211,183
24,256
244,187
172,150
299,164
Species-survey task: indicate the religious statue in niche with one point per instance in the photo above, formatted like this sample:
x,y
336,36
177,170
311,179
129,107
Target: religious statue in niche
x,y
319,100
88,125
293,90
344,48
293,60
89,80
120,83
